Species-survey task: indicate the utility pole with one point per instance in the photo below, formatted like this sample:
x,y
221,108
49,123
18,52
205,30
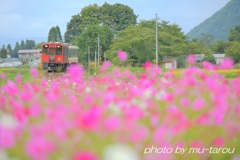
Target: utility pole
x,y
98,50
156,39
95,60
88,59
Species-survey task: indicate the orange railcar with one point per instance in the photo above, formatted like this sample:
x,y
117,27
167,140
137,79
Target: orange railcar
x,y
56,55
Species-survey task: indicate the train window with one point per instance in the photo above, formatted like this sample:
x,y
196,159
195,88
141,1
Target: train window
x,y
45,49
59,50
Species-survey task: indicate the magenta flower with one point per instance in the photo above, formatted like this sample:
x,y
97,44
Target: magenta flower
x,y
105,65
18,78
147,65
198,104
75,73
11,88
191,59
39,148
122,55
111,123
218,142
207,65
84,155
7,137
2,75
226,63
34,72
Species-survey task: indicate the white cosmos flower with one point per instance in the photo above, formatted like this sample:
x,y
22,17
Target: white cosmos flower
x,y
7,120
3,155
120,152
115,109
88,89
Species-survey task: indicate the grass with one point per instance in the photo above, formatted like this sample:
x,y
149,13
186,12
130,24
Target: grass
x,y
11,73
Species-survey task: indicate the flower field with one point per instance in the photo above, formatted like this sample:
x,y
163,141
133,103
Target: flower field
x,y
120,115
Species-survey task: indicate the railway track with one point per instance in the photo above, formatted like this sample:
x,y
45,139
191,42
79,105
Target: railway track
x,y
54,75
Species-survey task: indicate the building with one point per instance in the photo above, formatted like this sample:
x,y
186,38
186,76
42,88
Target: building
x,y
219,57
29,54
169,63
199,57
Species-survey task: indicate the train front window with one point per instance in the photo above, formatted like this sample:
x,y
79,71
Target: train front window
x,y
45,49
59,50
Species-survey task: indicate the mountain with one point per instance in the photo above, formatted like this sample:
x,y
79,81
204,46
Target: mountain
x,y
220,23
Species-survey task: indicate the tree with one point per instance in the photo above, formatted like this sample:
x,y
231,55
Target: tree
x,y
22,46
117,17
58,34
206,40
3,52
16,48
120,15
139,42
234,34
91,15
38,45
9,49
54,35
208,56
233,51
73,29
89,38
30,44
220,46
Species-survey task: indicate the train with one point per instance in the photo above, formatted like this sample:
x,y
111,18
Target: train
x,y
58,56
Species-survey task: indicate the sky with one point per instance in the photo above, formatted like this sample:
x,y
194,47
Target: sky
x,y
33,19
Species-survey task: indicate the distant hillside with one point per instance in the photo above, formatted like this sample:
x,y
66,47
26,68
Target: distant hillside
x,y
220,23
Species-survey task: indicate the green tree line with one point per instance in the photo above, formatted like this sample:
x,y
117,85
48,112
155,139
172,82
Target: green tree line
x,y
117,28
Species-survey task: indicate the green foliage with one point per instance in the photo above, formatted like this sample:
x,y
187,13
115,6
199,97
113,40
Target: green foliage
x,y
3,52
38,45
73,29
22,46
220,23
208,56
219,46
30,44
139,42
89,38
54,35
116,17
233,51
234,34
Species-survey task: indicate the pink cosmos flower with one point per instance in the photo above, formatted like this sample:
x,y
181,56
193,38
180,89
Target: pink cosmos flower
x,y
18,78
75,73
111,123
122,55
147,65
7,138
105,65
226,63
84,155
218,142
34,72
198,104
2,75
11,88
140,134
207,65
191,59
39,148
